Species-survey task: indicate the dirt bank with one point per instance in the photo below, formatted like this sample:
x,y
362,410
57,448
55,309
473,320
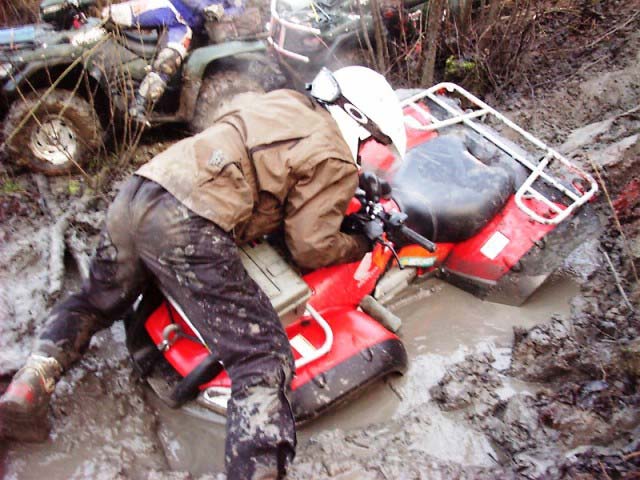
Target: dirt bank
x,y
581,418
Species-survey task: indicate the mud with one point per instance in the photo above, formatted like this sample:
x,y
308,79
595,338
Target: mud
x,y
555,397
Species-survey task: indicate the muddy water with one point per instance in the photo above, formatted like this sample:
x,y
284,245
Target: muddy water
x,y
446,318
103,428
441,324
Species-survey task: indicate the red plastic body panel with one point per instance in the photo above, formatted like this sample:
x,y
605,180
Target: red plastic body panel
x,y
185,354
336,293
353,331
347,284
354,206
521,231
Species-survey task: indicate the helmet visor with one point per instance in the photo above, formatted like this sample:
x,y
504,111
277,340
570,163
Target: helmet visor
x,y
324,87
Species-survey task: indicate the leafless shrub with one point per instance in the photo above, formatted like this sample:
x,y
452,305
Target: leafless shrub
x,y
109,100
502,45
14,12
487,48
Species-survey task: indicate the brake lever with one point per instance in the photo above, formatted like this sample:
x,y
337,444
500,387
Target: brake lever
x,y
390,246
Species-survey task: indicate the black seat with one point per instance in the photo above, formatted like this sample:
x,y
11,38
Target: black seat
x,y
143,43
142,37
447,193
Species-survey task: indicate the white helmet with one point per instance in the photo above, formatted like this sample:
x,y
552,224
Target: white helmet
x,y
363,104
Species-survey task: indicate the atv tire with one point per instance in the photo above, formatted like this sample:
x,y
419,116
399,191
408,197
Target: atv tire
x,y
217,91
61,132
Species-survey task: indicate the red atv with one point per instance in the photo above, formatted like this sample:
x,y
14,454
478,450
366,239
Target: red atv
x,y
492,216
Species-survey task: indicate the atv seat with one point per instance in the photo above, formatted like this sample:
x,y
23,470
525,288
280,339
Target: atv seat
x,y
447,193
143,43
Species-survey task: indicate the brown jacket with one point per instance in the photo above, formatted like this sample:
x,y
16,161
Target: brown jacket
x,y
273,160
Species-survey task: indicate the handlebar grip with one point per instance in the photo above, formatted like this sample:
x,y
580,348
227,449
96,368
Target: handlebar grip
x,y
417,238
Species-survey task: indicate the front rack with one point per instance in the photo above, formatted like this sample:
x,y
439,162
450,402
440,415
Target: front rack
x,y
312,355
557,211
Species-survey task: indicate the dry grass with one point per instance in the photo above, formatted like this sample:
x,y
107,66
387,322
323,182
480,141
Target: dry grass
x,y
15,12
501,45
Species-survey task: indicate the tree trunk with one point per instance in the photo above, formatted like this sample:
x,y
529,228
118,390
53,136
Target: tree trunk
x,y
382,55
465,15
434,21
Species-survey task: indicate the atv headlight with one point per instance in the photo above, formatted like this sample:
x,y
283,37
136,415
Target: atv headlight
x,y
88,37
6,69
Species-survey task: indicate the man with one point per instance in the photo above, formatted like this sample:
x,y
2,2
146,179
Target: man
x,y
276,161
180,18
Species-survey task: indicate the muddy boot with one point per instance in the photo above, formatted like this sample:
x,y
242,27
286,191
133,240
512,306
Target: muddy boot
x,y
24,406
151,89
138,111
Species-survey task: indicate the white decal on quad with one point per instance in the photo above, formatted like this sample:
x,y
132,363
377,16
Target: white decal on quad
x,y
303,346
363,272
492,247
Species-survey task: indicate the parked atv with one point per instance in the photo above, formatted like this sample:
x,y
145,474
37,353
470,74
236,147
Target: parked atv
x,y
490,215
65,81
306,35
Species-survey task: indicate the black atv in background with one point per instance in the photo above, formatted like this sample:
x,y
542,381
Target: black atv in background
x,y
65,83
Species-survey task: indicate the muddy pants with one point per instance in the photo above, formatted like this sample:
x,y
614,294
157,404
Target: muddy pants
x,y
151,237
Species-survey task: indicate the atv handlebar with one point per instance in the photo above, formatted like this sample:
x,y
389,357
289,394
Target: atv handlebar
x,y
378,225
417,238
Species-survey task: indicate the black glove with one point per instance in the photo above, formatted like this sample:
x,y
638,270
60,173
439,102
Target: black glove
x,y
374,187
373,230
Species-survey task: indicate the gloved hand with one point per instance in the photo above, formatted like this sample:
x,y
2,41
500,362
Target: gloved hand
x,y
214,13
368,229
374,187
373,230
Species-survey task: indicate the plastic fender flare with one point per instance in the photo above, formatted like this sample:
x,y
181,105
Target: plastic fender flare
x,y
11,88
201,58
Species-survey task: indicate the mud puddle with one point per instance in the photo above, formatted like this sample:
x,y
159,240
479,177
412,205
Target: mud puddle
x,y
441,325
105,425
441,319
101,426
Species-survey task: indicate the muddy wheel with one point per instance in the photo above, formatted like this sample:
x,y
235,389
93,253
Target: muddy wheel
x,y
217,90
59,134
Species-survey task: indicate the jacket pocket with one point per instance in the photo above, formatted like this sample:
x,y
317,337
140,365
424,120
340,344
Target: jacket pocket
x,y
222,185
267,215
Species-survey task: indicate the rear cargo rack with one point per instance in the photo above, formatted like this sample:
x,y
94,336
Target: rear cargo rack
x,y
557,211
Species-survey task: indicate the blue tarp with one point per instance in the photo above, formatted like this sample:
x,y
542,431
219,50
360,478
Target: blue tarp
x,y
11,36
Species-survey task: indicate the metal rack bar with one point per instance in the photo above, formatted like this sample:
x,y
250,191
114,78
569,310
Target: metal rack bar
x,y
328,339
537,170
